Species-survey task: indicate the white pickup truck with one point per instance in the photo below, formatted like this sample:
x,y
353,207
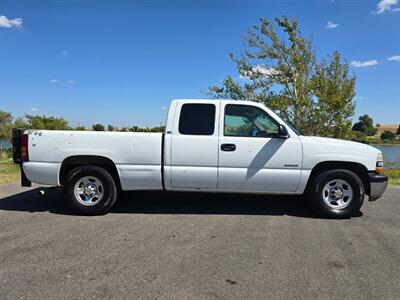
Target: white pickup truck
x,y
208,146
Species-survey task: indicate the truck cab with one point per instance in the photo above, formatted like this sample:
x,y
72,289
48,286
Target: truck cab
x,y
238,146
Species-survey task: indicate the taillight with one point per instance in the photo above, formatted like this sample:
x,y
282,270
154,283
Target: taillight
x,y
24,147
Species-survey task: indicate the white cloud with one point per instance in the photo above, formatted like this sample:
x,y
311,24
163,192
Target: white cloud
x,y
265,71
261,69
34,109
9,23
71,81
54,81
394,58
331,25
362,64
63,53
386,5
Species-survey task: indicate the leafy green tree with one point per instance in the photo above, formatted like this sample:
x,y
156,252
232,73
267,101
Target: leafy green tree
x,y
80,128
283,72
20,123
157,129
387,135
398,130
43,122
6,124
365,124
134,129
359,136
110,128
98,127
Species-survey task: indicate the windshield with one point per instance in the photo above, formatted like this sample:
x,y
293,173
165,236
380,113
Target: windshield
x,y
293,128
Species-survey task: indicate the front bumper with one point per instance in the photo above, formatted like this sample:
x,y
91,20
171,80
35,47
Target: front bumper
x,y
378,184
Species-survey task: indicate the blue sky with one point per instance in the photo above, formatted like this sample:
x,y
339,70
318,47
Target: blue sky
x,y
121,62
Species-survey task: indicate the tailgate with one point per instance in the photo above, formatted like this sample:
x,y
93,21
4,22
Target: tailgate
x,y
16,141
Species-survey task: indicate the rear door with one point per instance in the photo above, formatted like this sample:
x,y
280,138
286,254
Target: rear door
x,y
194,145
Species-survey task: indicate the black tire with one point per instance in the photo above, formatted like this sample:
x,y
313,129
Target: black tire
x,y
108,189
316,190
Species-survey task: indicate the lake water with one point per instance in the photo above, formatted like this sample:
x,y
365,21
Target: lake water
x,y
5,144
391,153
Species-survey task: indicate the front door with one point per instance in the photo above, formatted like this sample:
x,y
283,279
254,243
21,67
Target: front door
x,y
194,146
251,157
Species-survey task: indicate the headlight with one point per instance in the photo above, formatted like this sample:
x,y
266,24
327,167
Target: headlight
x,y
379,164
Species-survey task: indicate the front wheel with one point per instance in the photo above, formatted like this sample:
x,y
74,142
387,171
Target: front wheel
x,y
90,190
336,193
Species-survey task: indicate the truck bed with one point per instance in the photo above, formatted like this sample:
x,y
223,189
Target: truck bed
x,y
137,155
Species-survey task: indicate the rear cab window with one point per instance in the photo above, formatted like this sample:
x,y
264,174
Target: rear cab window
x,y
197,119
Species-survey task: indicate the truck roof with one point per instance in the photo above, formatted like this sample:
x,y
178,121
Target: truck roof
x,y
216,100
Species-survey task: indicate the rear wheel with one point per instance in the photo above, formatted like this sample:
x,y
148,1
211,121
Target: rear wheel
x,y
90,190
336,193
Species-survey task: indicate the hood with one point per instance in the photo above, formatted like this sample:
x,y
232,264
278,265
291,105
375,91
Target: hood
x,y
344,143
341,143
318,149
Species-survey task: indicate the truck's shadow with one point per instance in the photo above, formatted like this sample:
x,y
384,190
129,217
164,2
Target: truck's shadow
x,y
168,203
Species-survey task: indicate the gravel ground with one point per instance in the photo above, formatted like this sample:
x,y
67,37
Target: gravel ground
x,y
195,246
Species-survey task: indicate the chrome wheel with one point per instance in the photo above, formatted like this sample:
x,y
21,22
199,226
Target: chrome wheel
x,y
337,194
88,190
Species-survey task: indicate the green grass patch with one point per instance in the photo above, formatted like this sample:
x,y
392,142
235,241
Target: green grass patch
x,y
394,176
9,172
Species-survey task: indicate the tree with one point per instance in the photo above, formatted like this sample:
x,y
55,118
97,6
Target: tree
x,y
20,123
398,130
283,72
365,124
359,136
134,129
80,128
6,124
387,135
110,128
98,127
42,122
157,129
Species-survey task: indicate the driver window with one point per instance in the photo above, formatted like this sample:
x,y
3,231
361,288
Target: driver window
x,y
248,121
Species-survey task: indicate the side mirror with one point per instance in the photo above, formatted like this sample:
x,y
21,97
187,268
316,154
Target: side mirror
x,y
283,132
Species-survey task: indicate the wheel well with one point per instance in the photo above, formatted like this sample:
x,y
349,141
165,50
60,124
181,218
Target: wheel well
x,y
72,162
357,168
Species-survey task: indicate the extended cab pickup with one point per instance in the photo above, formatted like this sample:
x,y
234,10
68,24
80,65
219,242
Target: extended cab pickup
x,y
208,145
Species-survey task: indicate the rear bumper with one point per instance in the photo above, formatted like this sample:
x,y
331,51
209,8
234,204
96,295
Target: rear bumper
x,y
24,180
42,172
378,183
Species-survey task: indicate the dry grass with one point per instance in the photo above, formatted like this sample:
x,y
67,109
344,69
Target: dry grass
x,y
392,128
